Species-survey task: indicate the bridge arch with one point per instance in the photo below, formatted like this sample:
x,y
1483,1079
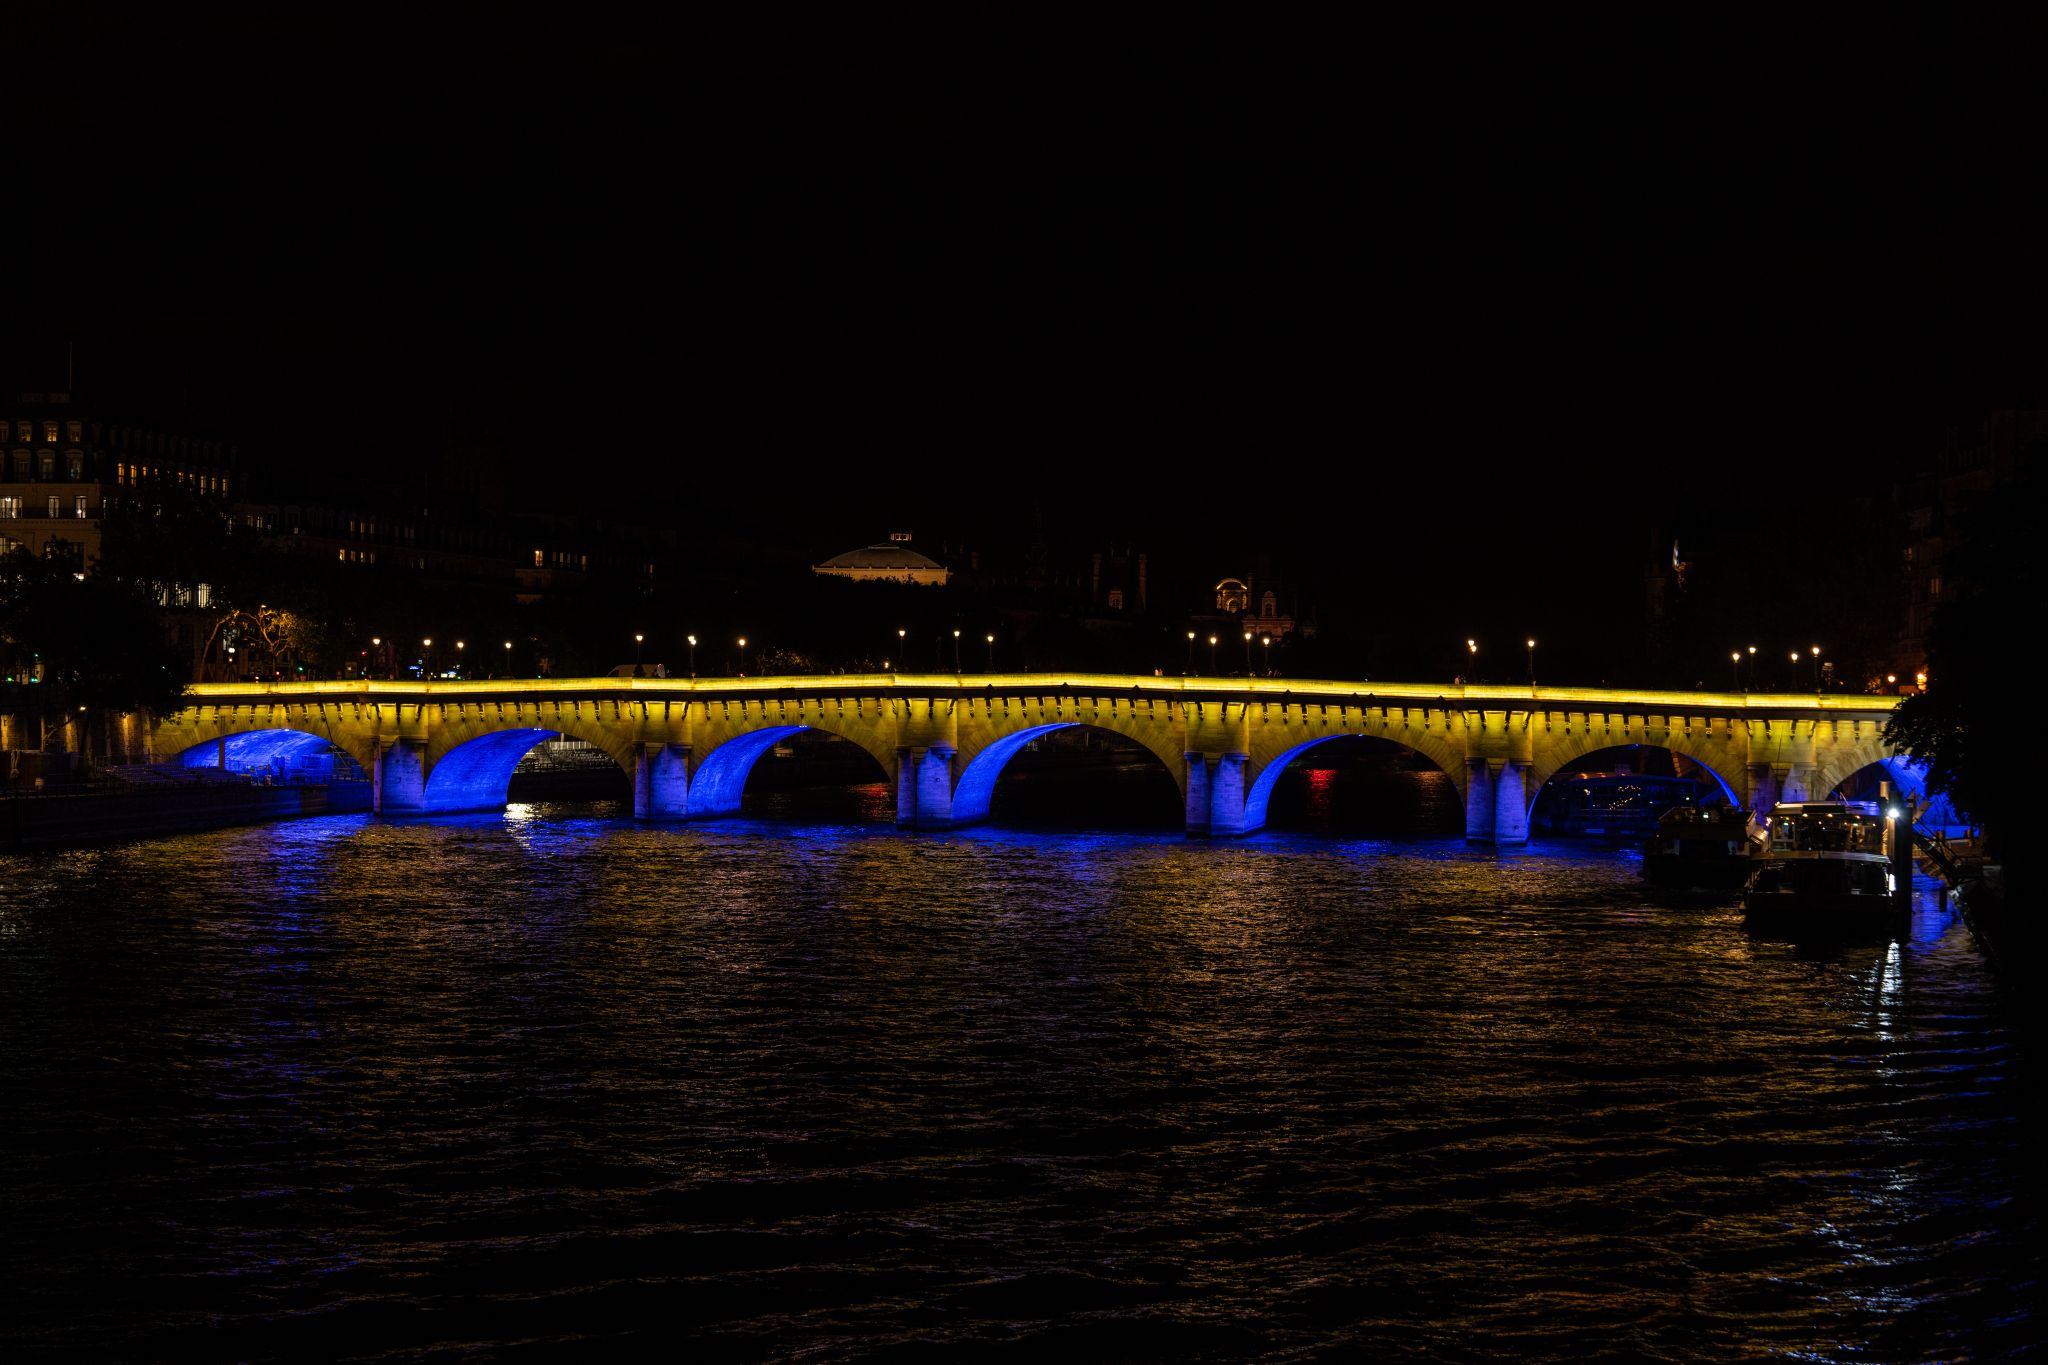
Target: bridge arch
x,y
1259,792
983,755
260,743
253,750
1554,759
718,785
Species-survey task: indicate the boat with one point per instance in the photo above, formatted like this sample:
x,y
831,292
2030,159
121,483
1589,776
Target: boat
x,y
1830,864
1701,848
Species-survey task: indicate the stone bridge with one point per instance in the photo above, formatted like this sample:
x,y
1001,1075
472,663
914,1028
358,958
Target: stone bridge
x,y
942,740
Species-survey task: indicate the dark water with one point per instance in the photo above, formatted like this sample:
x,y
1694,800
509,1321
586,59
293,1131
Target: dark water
x,y
555,1084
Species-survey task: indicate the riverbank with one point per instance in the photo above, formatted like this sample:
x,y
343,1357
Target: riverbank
x,y
66,821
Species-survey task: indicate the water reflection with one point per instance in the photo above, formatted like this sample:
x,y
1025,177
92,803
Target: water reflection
x,y
830,1089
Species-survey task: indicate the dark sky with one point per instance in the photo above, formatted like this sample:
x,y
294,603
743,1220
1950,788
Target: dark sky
x,y
1352,295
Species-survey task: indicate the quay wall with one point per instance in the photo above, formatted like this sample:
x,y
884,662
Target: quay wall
x,y
30,822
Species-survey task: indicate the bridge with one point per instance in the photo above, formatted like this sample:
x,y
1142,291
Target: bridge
x,y
942,739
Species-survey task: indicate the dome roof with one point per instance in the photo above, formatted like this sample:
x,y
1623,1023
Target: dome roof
x,y
896,556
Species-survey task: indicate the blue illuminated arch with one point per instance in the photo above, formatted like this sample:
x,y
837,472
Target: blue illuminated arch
x,y
1728,792
721,778
1269,776
977,785
253,751
474,775
1931,810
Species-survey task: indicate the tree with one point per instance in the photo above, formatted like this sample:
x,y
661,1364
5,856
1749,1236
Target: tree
x,y
1963,727
93,642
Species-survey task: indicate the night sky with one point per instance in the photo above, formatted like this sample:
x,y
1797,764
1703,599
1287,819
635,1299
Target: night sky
x,y
1484,306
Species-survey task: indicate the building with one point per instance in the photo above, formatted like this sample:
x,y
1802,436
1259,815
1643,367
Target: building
x,y
893,561
64,471
1969,466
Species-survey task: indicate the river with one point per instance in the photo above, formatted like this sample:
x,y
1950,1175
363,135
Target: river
x,y
554,1083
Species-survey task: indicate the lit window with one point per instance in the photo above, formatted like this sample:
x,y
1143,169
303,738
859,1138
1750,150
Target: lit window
x,y
10,509
72,432
53,504
341,555
79,503
539,562
50,432
24,431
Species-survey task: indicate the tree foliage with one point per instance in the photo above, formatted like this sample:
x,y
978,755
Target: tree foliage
x,y
1962,726
88,641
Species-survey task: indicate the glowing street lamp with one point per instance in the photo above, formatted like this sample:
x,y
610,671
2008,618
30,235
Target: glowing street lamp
x,y
1191,652
1212,654
1266,644
1472,649
743,656
956,651
991,652
1532,662
1247,654
1792,678
1816,668
508,658
458,657
693,654
1752,665
637,638
1735,671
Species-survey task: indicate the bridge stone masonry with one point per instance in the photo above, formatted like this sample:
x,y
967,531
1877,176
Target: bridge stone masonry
x,y
942,740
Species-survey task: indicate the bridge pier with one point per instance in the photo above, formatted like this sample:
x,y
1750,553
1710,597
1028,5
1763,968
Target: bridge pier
x,y
1510,804
924,787
1198,793
1226,796
398,779
661,782
1479,804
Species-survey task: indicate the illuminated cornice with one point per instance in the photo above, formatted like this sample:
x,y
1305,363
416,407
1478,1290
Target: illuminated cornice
x,y
1474,697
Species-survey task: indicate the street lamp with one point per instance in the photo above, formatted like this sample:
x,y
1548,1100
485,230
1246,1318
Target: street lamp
x,y
637,638
458,658
1247,654
956,651
1191,652
693,654
1472,649
1266,643
1212,654
743,656
1752,665
1792,678
1816,668
508,658
1532,662
1735,671
991,653
426,656
901,648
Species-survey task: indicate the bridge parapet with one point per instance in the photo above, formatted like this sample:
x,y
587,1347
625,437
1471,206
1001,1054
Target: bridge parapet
x,y
941,739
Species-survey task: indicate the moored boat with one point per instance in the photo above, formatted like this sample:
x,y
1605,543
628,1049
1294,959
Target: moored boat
x,y
1830,864
1700,849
